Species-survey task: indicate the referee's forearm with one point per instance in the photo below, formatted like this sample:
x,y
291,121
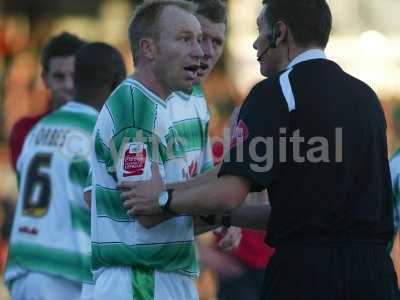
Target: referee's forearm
x,y
197,180
214,197
254,217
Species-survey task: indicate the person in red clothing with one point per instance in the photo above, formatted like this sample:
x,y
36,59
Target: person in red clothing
x,y
58,69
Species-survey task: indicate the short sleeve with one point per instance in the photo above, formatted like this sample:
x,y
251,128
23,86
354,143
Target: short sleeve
x,y
254,147
88,182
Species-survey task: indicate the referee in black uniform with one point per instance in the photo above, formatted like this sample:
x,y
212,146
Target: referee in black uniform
x,y
315,137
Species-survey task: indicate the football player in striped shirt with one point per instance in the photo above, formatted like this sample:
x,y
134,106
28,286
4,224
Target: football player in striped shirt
x,y
144,122
48,254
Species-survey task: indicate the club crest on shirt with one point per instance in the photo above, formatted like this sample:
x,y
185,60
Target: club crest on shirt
x,y
240,134
190,171
193,169
134,159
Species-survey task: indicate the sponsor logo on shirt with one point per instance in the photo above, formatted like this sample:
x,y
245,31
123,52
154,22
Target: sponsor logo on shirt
x,y
135,159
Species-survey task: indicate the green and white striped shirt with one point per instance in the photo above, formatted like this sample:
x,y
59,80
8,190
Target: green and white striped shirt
x,y
51,230
135,128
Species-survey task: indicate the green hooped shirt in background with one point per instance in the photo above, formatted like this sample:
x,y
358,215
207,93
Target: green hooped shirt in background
x,y
51,230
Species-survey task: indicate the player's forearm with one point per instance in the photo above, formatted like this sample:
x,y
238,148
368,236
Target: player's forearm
x,y
255,217
198,180
150,221
217,196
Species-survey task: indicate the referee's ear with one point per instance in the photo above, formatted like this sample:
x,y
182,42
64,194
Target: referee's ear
x,y
282,33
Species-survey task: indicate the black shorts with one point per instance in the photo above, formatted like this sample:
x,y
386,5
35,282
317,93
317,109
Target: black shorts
x,y
330,271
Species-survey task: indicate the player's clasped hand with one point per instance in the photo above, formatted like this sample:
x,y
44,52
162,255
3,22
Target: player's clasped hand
x,y
141,197
230,238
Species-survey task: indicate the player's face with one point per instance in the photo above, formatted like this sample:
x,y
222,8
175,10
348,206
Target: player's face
x,y
179,50
212,44
59,79
269,61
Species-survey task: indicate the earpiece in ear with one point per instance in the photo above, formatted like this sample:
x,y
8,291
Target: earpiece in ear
x,y
272,37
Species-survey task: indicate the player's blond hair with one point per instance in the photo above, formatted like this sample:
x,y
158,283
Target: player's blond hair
x,y
145,22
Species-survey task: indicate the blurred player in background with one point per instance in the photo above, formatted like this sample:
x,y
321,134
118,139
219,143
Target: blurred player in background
x,y
212,15
57,73
97,88
253,253
50,240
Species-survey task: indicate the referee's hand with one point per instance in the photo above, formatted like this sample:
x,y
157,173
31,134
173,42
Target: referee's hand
x,y
141,197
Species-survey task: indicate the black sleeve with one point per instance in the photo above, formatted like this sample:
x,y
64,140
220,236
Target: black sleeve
x,y
255,153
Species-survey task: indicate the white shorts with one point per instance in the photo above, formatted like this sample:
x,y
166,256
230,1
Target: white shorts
x,y
119,283
40,286
87,291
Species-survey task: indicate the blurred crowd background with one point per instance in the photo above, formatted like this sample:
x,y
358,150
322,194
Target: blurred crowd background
x,y
365,42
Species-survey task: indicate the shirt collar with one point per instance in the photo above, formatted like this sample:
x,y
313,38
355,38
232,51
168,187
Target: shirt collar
x,y
79,106
147,91
307,55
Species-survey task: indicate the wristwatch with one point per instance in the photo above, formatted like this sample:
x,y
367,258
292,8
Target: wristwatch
x,y
165,200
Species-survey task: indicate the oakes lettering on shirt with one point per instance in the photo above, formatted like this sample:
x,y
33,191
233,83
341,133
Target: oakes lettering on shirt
x,y
52,137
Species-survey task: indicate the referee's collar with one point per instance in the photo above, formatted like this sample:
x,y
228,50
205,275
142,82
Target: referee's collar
x,y
307,55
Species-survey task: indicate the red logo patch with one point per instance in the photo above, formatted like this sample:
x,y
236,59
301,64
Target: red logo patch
x,y
135,160
193,169
240,134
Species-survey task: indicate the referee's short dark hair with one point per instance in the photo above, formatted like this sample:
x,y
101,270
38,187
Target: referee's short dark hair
x,y
310,21
98,64
63,44
214,10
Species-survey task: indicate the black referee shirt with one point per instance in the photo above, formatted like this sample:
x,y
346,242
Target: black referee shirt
x,y
315,137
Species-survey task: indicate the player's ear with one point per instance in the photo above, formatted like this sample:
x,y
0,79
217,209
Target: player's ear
x,y
148,48
44,74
